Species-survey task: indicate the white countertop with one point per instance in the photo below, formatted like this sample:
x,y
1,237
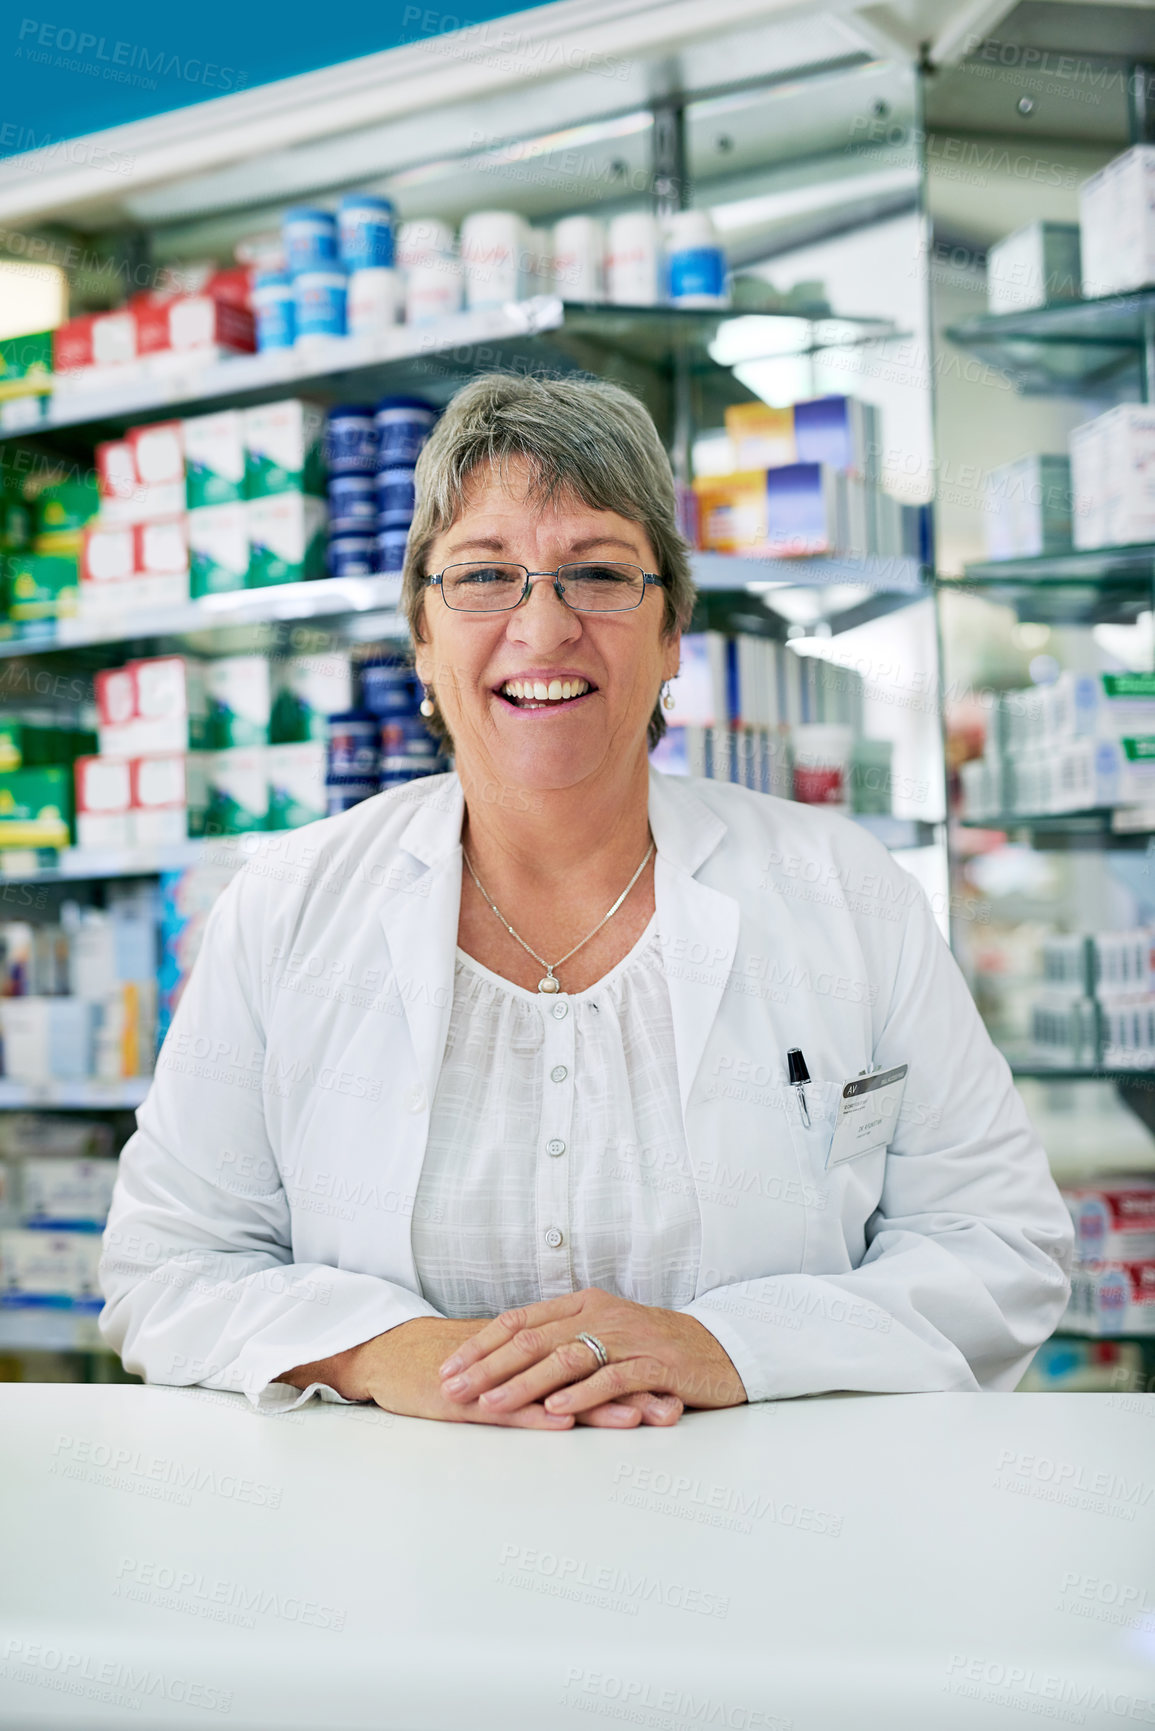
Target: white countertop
x,y
916,1562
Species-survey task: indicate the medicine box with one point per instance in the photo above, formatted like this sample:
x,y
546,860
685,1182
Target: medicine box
x,y
39,586
103,802
1114,1219
36,807
1028,507
238,790
47,1039
286,538
283,449
296,784
218,548
66,1193
307,690
214,449
1033,267
170,799
1117,224
239,699
39,1265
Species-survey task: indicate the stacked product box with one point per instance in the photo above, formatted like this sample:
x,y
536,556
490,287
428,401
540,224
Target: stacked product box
x,y
1113,478
154,335
1028,508
1034,267
56,1180
1086,742
1117,224
751,710
805,482
1097,1003
1113,1286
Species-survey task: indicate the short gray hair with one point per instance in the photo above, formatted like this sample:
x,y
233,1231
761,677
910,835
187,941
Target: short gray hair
x,y
584,438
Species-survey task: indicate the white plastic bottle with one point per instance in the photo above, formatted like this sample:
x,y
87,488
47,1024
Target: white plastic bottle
x,y
634,260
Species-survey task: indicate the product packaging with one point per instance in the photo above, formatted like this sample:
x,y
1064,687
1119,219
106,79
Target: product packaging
x,y
286,538
1033,267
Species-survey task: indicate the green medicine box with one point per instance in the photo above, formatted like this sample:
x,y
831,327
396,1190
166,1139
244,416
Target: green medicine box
x,y
283,449
36,807
26,365
39,586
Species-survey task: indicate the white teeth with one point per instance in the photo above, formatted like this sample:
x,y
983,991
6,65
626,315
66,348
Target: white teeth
x,y
541,691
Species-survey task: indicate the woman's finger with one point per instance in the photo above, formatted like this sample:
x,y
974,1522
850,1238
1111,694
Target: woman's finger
x,y
502,1329
528,1347
570,1362
628,1377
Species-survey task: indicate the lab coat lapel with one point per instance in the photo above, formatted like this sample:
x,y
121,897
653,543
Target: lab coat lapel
x,y
697,925
419,917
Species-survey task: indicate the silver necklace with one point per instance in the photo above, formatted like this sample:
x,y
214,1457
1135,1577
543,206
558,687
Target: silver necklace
x,y
549,983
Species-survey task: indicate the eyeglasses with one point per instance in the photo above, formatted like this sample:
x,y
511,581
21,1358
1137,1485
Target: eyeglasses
x,y
495,587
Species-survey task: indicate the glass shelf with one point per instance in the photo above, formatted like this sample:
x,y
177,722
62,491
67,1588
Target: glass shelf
x,y
1125,828
1106,585
434,360
1087,348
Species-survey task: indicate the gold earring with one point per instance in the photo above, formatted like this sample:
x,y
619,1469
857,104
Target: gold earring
x,y
427,705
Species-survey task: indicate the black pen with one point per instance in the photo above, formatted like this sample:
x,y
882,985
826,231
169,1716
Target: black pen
x,y
799,1076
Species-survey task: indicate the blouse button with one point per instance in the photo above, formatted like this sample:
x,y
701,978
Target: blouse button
x,y
558,1073
555,1146
553,1238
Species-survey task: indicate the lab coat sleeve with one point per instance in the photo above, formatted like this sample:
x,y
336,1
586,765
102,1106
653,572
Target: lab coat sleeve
x,y
197,1270
966,1265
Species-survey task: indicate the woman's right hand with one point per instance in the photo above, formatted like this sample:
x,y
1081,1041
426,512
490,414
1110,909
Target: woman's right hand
x,y
399,1372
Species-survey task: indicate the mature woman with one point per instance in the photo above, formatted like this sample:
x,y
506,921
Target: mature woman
x,y
558,1090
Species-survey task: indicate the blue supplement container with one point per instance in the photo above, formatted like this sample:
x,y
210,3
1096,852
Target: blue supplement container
x,y
395,498
365,232
319,297
352,505
310,238
403,425
390,690
354,744
275,311
391,544
353,555
350,442
342,792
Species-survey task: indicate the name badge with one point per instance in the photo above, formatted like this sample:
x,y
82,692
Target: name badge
x,y
867,1114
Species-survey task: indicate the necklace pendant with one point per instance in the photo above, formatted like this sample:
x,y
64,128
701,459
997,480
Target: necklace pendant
x,y
549,984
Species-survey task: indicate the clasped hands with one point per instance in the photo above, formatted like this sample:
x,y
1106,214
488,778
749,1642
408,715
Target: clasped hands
x,y
528,1367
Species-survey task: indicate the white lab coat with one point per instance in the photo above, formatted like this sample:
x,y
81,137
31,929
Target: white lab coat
x,y
262,1214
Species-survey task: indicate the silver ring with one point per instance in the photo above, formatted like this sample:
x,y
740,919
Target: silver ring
x,y
596,1347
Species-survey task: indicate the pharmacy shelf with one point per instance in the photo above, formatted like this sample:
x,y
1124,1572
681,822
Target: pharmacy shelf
x,y
88,1094
1092,348
49,1327
79,865
434,359
1109,827
1109,585
848,590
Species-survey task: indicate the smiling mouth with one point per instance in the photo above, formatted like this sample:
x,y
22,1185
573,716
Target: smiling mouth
x,y
544,694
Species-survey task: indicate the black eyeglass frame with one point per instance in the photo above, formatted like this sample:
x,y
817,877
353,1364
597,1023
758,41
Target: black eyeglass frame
x,y
649,578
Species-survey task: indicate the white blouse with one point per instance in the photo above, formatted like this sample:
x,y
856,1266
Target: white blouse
x,y
556,1156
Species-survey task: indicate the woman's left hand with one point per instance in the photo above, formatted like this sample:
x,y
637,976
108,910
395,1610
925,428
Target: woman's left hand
x,y
532,1354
